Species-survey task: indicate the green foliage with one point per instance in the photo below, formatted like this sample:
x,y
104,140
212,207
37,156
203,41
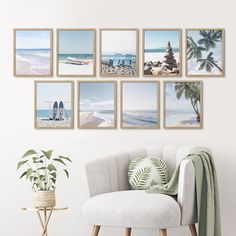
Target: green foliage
x,y
140,178
190,91
41,169
208,41
161,167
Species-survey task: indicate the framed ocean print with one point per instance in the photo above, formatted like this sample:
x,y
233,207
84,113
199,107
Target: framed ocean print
x,y
119,52
76,52
205,52
54,105
162,52
33,52
97,104
183,104
140,105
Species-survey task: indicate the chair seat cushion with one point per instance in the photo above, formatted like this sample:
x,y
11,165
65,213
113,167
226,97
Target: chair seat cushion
x,y
134,208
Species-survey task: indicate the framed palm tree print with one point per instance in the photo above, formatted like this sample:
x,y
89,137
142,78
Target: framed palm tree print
x,y
205,52
183,104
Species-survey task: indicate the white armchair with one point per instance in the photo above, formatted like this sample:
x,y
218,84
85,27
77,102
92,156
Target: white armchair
x,y
112,203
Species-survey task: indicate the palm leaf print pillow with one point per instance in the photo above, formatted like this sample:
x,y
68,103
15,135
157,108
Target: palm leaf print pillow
x,y
145,172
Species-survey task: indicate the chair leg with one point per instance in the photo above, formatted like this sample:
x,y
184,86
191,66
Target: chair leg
x,y
163,232
193,230
96,229
128,232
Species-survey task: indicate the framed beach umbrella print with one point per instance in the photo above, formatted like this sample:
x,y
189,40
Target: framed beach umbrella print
x,y
119,52
183,104
54,104
140,105
205,52
76,52
97,104
33,53
162,52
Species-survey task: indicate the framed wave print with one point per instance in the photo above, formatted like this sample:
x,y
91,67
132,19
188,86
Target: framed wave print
x,y
33,53
97,105
140,105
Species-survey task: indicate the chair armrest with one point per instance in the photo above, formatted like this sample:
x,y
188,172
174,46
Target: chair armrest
x,y
186,192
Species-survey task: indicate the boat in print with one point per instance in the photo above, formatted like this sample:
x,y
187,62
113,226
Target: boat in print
x,y
76,61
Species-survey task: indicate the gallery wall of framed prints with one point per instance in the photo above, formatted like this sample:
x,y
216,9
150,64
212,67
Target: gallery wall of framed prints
x,y
173,63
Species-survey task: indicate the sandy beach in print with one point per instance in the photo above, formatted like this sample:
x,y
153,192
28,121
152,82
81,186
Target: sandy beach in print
x,y
96,105
76,52
33,53
180,112
140,105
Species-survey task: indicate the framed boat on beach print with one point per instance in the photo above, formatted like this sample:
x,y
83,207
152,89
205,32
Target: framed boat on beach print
x,y
97,105
33,53
119,52
140,105
76,52
183,104
54,104
162,52
205,52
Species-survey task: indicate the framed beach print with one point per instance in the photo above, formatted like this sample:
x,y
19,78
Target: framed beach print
x,y
140,105
205,52
119,52
33,53
54,104
76,52
162,52
183,106
97,104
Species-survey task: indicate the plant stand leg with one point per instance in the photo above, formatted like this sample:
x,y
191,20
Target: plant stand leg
x,y
45,221
44,233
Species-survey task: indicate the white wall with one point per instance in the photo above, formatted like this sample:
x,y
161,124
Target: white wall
x,y
17,96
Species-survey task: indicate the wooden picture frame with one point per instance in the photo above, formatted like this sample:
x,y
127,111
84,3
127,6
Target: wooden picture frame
x,y
157,117
65,125
191,121
26,65
118,74
85,60
222,74
159,71
93,122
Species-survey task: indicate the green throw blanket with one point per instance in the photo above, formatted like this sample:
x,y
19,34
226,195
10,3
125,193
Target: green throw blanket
x,y
206,189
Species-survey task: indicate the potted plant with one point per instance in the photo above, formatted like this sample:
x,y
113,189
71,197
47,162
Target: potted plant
x,y
42,169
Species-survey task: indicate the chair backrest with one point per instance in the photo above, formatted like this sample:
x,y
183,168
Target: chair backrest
x,y
110,174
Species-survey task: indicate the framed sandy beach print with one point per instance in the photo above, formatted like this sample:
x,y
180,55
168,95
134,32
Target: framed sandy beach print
x,y
205,52
140,105
33,53
97,105
76,52
54,104
162,52
183,104
119,52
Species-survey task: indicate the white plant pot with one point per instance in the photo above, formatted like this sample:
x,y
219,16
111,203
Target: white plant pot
x,y
44,199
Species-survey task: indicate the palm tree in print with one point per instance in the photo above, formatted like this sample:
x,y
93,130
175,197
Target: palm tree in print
x,y
208,63
190,91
